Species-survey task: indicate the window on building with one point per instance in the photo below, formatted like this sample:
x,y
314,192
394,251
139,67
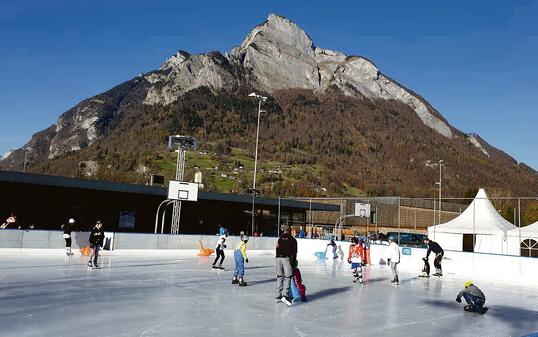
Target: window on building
x,y
529,248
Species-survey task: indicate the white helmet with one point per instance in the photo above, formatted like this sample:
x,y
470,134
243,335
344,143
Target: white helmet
x,y
71,220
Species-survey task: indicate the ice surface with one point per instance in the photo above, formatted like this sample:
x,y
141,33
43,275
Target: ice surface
x,y
178,295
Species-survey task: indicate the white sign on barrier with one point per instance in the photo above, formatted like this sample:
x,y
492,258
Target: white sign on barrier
x,y
179,190
362,210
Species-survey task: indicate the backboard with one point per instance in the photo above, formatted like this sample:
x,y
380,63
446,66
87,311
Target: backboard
x,y
178,190
362,210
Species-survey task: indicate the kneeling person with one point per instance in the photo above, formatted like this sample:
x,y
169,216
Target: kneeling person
x,y
474,297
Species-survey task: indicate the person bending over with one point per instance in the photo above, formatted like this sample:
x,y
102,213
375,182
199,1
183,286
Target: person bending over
x,y
474,297
439,252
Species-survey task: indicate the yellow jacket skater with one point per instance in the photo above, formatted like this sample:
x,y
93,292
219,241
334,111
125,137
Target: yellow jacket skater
x,y
240,256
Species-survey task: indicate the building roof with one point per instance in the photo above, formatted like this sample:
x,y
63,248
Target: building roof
x,y
64,182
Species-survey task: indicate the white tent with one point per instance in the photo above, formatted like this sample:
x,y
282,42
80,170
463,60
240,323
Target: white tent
x,y
526,238
481,219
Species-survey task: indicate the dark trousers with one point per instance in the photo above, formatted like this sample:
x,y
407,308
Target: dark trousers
x,y
220,253
437,263
476,303
95,252
68,242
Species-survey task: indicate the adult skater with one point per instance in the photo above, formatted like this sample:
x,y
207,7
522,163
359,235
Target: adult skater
x,y
240,257
355,258
332,244
96,241
439,252
68,228
393,258
219,249
286,253
474,297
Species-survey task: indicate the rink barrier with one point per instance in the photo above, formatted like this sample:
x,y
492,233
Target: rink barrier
x,y
468,266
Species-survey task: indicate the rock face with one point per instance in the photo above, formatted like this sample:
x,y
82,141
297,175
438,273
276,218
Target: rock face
x,y
280,55
184,72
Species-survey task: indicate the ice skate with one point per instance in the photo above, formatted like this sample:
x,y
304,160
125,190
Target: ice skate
x,y
90,265
278,299
467,308
483,310
235,280
96,266
220,267
242,283
286,301
215,267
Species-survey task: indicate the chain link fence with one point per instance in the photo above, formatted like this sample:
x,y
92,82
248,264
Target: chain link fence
x,y
500,225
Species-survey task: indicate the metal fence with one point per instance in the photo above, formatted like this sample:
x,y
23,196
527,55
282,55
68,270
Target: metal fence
x,y
490,225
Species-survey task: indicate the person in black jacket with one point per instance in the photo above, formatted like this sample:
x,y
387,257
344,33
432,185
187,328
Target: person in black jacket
x,y
97,236
68,228
286,254
439,252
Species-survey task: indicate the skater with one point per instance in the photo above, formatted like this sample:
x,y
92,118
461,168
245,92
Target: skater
x,y
333,246
297,284
393,258
219,249
439,252
355,258
96,241
240,256
426,268
286,254
68,228
474,297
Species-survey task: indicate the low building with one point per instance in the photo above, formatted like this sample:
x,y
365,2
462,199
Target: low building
x,y
46,202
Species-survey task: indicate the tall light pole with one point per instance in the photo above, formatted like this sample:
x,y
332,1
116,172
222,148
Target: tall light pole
x,y
440,183
260,100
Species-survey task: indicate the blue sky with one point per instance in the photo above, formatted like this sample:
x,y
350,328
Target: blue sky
x,y
475,61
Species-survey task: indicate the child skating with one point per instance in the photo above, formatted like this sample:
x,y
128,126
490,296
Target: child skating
x,y
97,236
474,297
68,228
333,247
393,258
355,258
240,257
219,249
297,287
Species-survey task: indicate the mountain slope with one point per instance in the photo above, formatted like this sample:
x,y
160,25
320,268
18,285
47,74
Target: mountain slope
x,y
333,122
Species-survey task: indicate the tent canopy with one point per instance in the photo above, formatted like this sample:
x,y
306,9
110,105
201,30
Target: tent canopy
x,y
479,218
527,231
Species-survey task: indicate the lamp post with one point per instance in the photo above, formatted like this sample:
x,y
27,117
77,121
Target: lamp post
x,y
260,100
440,183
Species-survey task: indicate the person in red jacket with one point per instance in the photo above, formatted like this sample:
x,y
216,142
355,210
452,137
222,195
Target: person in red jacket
x,y
355,258
298,280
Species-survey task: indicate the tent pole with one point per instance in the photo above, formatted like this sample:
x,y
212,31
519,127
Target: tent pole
x,y
474,224
519,223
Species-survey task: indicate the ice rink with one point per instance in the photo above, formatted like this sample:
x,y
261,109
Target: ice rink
x,y
179,295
